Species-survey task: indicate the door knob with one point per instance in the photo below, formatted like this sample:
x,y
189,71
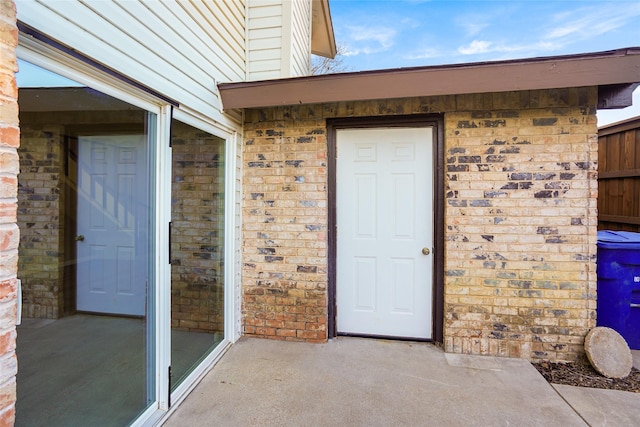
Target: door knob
x,y
80,238
425,251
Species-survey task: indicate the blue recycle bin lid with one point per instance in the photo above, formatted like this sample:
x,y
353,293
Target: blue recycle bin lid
x,y
618,240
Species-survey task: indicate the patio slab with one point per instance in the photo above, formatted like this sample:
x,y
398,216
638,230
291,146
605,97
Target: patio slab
x,y
600,407
368,382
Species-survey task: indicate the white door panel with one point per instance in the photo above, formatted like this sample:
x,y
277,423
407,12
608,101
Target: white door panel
x,y
112,224
385,219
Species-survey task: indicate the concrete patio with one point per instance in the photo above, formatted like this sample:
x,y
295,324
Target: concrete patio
x,y
367,382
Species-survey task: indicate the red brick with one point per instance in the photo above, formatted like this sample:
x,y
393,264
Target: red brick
x,y
252,321
265,331
8,213
8,342
8,289
8,416
295,325
312,335
9,237
10,137
9,167
8,187
286,332
275,323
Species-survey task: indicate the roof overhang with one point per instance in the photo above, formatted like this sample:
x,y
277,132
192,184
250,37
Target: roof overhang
x,y
323,42
615,68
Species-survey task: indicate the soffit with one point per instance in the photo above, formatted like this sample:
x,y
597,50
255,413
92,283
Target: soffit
x,y
619,66
322,38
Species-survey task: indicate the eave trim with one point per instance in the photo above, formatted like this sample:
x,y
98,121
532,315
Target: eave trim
x,y
589,69
323,41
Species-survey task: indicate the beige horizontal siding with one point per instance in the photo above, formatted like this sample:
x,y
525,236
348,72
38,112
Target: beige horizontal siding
x,y
300,38
264,39
178,48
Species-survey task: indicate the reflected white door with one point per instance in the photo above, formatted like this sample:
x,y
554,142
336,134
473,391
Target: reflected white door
x,y
112,224
385,220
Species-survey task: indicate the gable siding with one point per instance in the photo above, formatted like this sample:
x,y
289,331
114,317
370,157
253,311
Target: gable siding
x,y
278,39
264,39
178,48
301,39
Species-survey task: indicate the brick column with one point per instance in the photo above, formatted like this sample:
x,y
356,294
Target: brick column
x,y
9,232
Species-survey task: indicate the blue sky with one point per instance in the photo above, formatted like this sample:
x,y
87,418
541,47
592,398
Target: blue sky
x,y
383,34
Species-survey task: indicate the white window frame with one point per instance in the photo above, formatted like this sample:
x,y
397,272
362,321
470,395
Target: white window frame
x,y
231,291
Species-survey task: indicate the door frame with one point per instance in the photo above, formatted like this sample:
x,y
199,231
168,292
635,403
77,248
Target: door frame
x,y
70,149
435,121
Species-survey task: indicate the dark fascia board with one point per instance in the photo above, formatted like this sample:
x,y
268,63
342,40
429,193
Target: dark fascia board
x,y
589,69
616,96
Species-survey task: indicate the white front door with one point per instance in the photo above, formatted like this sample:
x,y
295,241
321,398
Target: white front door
x,y
112,224
384,208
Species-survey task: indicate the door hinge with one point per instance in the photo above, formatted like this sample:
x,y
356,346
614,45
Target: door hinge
x,y
19,302
171,127
169,390
169,246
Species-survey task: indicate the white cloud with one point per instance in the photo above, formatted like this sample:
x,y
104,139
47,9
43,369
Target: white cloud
x,y
476,47
426,53
382,35
473,28
566,28
369,40
588,22
563,31
472,25
493,17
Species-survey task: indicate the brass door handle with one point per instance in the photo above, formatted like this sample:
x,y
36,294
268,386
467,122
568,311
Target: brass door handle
x,y
425,251
80,238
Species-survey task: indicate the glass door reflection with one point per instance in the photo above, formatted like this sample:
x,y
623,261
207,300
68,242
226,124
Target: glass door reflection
x,y
197,248
86,344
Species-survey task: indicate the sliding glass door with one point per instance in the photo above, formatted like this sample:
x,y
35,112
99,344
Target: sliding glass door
x,y
122,258
86,344
197,247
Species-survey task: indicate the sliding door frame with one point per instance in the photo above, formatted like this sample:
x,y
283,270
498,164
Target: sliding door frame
x,y
48,57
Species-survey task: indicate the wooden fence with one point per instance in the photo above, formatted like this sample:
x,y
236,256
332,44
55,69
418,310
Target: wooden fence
x,y
619,176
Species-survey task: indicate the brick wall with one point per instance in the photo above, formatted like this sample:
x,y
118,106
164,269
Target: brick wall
x,y
41,217
520,219
9,141
285,226
197,215
521,226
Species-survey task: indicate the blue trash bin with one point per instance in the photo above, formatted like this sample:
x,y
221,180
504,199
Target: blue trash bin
x,y
618,270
